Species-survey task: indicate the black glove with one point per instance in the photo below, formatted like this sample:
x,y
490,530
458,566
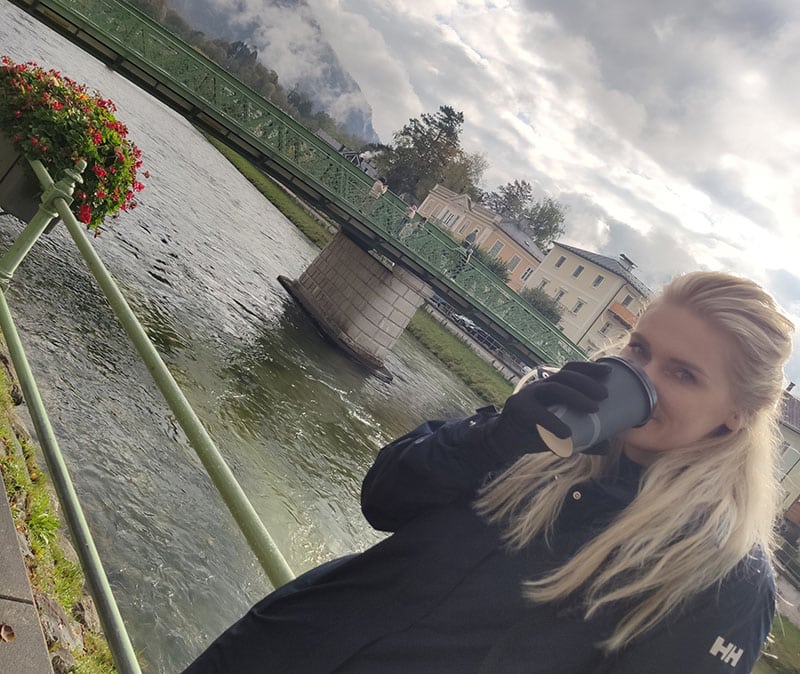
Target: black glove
x,y
578,386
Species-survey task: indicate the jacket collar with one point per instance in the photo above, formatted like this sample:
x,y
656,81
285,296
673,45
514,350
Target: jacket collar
x,y
624,485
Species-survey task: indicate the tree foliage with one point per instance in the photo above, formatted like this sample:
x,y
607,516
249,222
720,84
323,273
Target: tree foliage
x,y
492,263
543,220
427,151
463,174
511,200
543,303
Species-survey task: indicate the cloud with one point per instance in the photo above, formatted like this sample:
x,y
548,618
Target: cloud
x,y
786,287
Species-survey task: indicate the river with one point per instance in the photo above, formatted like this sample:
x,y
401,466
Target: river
x,y
297,421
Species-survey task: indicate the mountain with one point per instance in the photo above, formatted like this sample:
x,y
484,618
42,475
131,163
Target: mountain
x,y
290,42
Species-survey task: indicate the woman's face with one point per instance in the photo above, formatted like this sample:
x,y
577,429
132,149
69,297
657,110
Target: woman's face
x,y
686,359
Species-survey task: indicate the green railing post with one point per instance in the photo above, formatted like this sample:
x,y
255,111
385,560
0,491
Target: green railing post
x,y
63,190
113,626
244,514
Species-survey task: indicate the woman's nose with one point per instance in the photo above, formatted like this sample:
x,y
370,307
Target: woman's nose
x,y
652,374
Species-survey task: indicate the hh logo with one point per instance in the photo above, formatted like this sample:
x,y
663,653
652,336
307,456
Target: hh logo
x,y
727,652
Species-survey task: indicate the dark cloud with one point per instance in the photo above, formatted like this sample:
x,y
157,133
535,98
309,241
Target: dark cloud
x,y
635,39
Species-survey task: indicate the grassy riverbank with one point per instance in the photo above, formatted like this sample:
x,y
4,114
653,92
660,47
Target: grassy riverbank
x,y
782,652
481,377
51,571
460,359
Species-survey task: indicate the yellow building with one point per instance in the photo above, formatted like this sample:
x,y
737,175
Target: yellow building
x,y
600,296
500,237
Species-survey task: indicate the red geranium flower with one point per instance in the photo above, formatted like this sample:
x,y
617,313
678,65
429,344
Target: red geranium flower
x,y
85,214
40,108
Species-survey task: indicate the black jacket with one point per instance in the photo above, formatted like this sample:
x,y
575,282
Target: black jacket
x,y
442,594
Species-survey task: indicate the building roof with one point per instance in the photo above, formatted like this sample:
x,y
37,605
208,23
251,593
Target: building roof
x,y
512,229
611,264
790,411
353,156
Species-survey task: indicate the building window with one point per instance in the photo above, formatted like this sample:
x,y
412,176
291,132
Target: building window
x,y
597,281
606,327
463,227
790,458
527,273
543,283
561,292
578,306
578,271
628,299
560,261
496,248
513,262
448,218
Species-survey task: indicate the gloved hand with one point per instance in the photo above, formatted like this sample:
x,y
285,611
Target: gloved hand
x,y
577,385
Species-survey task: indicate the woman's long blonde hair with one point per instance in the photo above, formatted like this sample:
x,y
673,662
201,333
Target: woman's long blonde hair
x,y
699,511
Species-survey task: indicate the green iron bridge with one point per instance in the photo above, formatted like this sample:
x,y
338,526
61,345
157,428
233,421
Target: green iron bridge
x,y
171,70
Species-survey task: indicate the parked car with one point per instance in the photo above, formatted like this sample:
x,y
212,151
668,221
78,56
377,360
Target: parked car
x,y
467,323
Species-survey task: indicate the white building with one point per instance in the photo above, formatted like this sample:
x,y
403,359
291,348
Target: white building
x,y
600,296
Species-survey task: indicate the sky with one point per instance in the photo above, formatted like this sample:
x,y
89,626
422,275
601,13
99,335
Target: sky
x,y
670,130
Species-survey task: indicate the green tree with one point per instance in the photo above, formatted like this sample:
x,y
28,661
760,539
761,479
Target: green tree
x,y
421,151
545,221
492,263
543,303
464,173
511,200
542,220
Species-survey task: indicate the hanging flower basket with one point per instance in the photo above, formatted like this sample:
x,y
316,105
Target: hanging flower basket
x,y
49,117
19,188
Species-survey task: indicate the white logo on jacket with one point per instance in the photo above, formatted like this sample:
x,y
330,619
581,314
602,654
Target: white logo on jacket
x,y
729,653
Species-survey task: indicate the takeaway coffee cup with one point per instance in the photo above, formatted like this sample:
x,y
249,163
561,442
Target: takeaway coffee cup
x,y
630,402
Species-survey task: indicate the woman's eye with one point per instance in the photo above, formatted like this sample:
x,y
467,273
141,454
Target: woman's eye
x,y
684,375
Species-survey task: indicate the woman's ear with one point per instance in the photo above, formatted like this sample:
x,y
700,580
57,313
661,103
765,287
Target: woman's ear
x,y
734,422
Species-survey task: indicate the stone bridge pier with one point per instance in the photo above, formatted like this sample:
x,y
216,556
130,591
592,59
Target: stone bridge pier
x,y
357,300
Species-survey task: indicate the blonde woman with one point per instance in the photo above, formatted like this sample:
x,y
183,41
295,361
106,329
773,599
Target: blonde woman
x,y
651,555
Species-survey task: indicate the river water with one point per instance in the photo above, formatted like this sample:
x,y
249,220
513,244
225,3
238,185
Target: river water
x,y
298,422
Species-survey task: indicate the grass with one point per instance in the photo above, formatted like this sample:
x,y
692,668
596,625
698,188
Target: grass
x,y
481,377
782,651
50,572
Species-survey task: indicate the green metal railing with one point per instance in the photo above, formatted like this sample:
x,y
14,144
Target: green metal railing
x,y
174,71
56,199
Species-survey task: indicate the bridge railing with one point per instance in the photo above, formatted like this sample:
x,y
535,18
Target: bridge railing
x,y
205,91
56,199
433,248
